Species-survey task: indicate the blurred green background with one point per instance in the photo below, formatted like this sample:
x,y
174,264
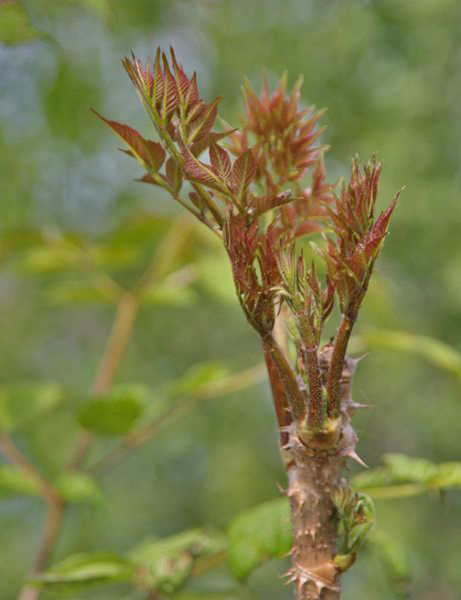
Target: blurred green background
x,y
390,74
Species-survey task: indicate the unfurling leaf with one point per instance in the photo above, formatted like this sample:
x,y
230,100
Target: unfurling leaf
x,y
150,154
242,174
173,174
198,171
220,161
204,118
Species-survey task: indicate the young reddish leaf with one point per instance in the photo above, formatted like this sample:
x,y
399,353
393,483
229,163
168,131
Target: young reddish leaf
x,y
150,153
182,81
382,222
141,77
262,204
220,161
192,95
170,99
198,147
242,174
158,83
173,174
201,126
196,170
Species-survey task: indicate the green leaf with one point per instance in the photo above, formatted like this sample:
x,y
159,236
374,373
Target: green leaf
x,y
80,571
393,556
78,292
438,353
116,412
402,476
101,7
216,277
24,401
258,534
76,487
211,596
15,25
168,294
197,377
167,563
14,482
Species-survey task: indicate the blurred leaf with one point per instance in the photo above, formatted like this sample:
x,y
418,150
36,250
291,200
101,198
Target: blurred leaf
x,y
211,596
55,252
24,401
395,559
15,25
13,482
101,7
258,534
81,571
115,413
167,563
438,353
76,487
168,294
197,377
78,292
403,476
20,239
216,277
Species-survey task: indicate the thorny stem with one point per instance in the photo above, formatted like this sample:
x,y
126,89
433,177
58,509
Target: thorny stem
x,y
315,407
293,393
337,365
279,396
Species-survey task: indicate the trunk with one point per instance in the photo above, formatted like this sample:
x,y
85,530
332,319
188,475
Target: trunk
x,y
314,478
312,481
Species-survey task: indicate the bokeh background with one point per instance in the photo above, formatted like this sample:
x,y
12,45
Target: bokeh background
x,y
390,74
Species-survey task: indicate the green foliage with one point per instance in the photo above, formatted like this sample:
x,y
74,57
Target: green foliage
x,y
394,557
356,513
116,412
82,571
198,377
22,402
15,24
75,487
436,352
258,534
387,71
166,564
14,482
402,476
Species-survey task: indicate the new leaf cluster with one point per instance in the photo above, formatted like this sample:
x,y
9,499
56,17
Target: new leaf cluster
x,y
247,186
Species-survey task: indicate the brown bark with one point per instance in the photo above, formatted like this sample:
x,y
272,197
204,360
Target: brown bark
x,y
315,475
312,481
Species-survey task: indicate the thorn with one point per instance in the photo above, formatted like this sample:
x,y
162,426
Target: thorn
x,y
358,359
281,489
357,405
354,456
